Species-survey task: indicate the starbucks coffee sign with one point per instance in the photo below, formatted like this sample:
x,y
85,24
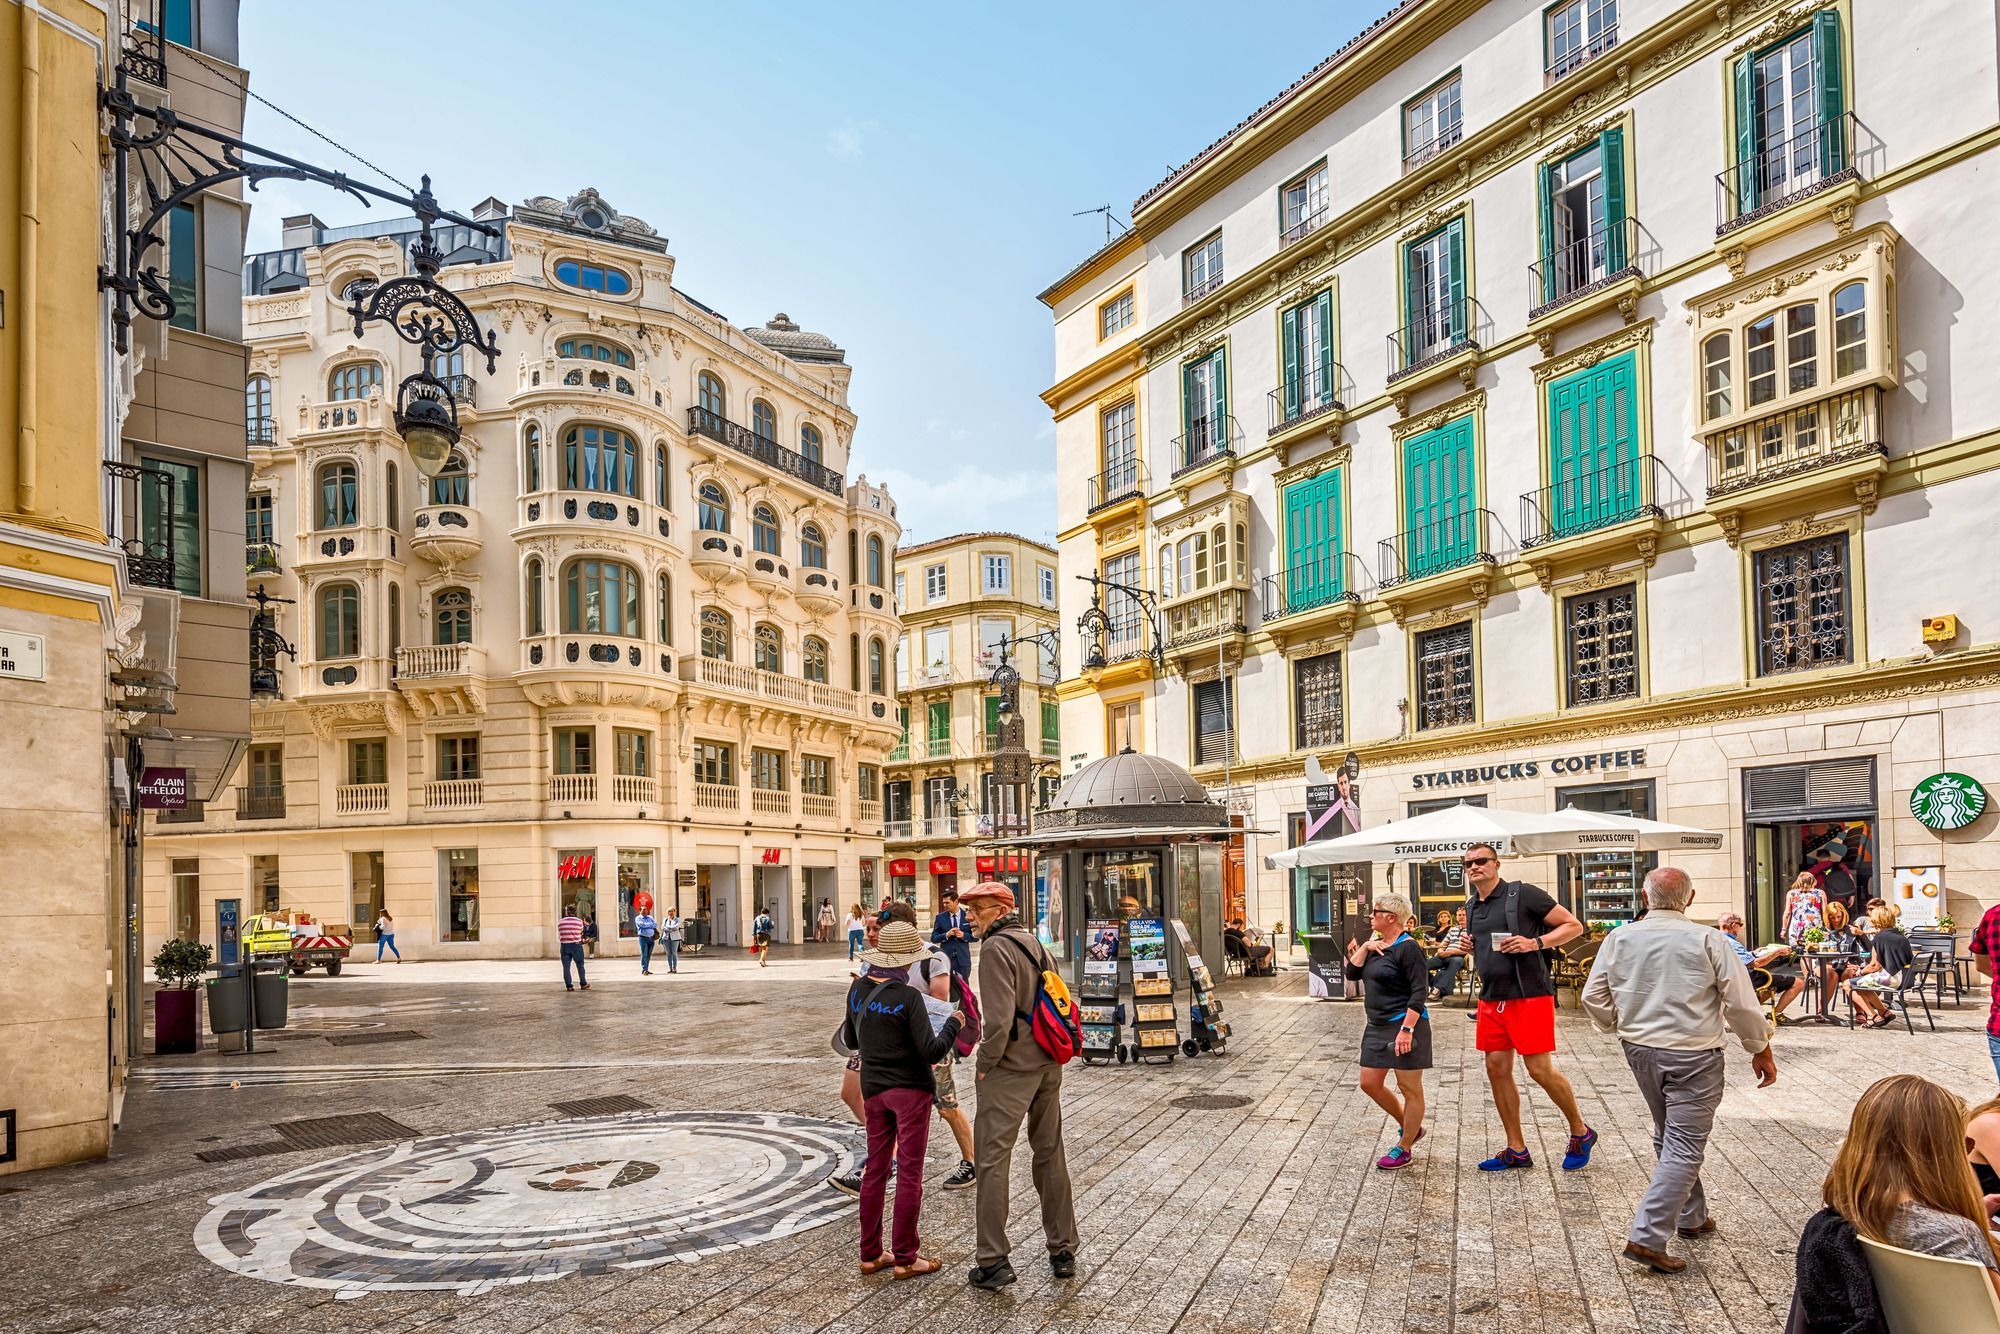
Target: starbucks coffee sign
x,y
1947,801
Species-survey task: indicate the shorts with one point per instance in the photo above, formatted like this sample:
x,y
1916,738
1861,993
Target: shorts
x,y
1527,1025
1378,1047
763,939
946,1097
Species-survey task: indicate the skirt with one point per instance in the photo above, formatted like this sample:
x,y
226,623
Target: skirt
x,y
1378,1047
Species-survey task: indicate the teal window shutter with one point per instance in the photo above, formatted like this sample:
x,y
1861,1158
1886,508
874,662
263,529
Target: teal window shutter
x,y
1290,329
1745,80
1594,447
1458,319
1545,177
1611,153
1832,94
1437,499
1409,298
1324,304
1221,409
1313,571
1190,410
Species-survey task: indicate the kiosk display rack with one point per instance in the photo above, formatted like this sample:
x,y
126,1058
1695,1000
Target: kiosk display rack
x,y
1207,1030
1155,1025
1099,1015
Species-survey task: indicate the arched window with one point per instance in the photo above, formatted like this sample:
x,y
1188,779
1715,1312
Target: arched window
x,y
339,495
767,649
444,365
1218,545
763,419
854,663
452,485
809,444
1715,376
708,395
1167,571
764,529
660,496
1242,553
353,380
597,458
392,483
532,595
257,410
715,634
812,656
601,597
395,618
531,458
593,349
340,621
812,547
874,561
451,616
666,607
712,508
592,278
875,676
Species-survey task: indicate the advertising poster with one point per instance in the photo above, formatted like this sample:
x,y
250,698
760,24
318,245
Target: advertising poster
x,y
1100,948
1097,999
1918,894
1049,927
1148,943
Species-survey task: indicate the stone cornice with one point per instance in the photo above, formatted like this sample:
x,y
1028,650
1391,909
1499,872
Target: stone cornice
x,y
1583,358
1439,415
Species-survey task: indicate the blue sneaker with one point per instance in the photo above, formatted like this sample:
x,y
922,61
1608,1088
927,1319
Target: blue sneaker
x,y
1578,1154
1506,1160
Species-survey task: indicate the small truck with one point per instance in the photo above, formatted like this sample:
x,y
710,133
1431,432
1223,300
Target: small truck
x,y
312,944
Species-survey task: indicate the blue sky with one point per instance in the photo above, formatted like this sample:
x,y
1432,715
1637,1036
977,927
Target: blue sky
x,y
900,177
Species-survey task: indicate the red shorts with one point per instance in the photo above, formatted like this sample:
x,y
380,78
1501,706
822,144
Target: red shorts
x,y
1527,1026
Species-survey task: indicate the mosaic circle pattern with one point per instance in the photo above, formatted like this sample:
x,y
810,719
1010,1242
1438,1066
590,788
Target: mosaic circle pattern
x,y
529,1203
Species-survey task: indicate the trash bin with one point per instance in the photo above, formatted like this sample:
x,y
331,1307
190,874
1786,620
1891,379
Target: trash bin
x,y
273,992
226,1005
1325,978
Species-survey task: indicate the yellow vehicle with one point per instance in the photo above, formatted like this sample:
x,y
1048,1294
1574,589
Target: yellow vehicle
x,y
306,943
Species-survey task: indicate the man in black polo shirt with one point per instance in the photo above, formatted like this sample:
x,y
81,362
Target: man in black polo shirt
x,y
1517,1001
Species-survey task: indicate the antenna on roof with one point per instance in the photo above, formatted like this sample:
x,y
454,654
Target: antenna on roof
x,y
1109,219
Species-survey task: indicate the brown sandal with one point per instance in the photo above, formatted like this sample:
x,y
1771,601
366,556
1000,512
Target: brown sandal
x,y
925,1265
878,1264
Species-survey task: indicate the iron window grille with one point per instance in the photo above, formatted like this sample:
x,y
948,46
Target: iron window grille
x,y
1444,677
1802,611
1601,641
1318,703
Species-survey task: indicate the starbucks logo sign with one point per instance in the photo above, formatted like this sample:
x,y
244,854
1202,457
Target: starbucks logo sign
x,y
1947,801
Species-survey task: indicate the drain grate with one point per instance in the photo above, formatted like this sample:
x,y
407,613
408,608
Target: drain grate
x,y
1210,1102
743,1002
235,1151
609,1105
374,1038
325,1132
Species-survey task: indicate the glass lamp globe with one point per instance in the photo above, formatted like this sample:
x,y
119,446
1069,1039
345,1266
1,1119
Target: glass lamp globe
x,y
428,433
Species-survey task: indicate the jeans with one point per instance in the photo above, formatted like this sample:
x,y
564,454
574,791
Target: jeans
x,y
646,953
1445,971
387,941
572,952
899,1120
673,954
854,942
1993,1050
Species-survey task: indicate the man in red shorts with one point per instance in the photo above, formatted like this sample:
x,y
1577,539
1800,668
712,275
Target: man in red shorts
x,y
1511,923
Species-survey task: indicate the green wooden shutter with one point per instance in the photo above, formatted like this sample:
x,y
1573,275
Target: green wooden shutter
x,y
1747,168
1051,720
1437,499
1313,568
940,721
992,716
1593,447
1323,304
1220,411
1458,318
1290,322
1611,154
1410,303
1546,183
1832,92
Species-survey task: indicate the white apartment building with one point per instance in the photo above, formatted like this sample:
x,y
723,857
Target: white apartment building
x,y
633,640
1583,403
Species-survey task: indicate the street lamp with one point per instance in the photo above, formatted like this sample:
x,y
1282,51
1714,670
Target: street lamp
x,y
1094,622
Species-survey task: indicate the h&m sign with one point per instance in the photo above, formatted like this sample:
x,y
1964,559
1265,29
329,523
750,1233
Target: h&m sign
x,y
1604,761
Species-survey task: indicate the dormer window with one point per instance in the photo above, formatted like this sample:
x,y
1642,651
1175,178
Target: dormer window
x,y
592,278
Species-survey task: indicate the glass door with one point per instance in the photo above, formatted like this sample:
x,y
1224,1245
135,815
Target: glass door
x,y
1787,90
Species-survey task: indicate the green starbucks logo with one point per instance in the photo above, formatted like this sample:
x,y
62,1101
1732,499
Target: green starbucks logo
x,y
1947,801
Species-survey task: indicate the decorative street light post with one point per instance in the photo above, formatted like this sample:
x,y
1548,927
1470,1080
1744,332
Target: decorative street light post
x,y
1013,769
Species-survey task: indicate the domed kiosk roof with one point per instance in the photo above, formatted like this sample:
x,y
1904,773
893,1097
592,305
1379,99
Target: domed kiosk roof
x,y
1129,791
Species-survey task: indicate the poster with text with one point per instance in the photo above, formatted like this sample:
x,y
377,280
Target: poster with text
x,y
1148,943
1918,895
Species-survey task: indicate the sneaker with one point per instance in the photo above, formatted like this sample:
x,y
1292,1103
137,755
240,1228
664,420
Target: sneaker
x,y
962,1176
1578,1153
847,1185
1063,1264
1506,1160
991,1277
1398,1156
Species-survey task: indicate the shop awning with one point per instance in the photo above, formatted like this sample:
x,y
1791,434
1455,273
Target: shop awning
x,y
1124,834
1652,835
1436,835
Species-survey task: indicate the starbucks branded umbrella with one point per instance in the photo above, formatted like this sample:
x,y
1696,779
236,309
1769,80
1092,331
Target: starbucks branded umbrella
x,y
1652,835
1437,835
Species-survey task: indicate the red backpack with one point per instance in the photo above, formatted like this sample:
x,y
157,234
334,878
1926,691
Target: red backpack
x,y
967,1040
1051,1014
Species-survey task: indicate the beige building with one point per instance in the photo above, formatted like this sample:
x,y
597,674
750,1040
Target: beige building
x,y
633,641
1619,437
962,598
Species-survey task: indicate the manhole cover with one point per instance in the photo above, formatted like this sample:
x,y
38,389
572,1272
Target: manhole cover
x,y
373,1038
324,1132
232,1152
1210,1102
610,1105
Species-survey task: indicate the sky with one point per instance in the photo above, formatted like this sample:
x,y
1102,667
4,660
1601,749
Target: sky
x,y
900,177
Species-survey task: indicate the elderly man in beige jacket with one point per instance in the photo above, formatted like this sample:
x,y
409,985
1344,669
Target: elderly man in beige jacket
x,y
1017,1081
1669,987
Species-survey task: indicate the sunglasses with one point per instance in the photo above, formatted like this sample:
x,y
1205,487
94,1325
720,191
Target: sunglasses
x,y
1478,861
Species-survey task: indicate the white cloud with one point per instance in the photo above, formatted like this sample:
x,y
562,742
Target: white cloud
x,y
845,140
970,499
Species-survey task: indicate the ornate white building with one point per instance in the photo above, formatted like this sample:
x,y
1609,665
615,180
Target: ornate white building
x,y
634,639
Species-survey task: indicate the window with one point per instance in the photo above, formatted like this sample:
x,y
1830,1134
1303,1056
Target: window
x,y
266,769
715,762
1579,31
576,750
1214,721
593,349
1201,268
601,597
812,547
1167,585
367,763
632,752
1850,330
1583,217
1121,610
854,663
712,508
1318,711
660,496
934,583
1045,581
1760,351
1115,314
903,662
458,886
257,518
1715,376
532,595
767,651
1119,434
1789,115
392,500
937,649
1801,346
170,518
813,657
339,607
457,758
354,380
902,592
810,446
339,495
1601,645
257,410
176,22
1302,205
709,396
716,635
451,616
1315,568
1802,616
764,529
1204,409
531,458
874,561
767,770
592,278
597,458
395,619
868,782
1441,531
1432,122
816,776
999,572
1594,467
763,420
940,720
875,678
184,266
1444,677
1436,313
1305,336
993,631
452,485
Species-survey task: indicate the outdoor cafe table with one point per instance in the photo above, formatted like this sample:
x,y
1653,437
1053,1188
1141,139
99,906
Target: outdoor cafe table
x,y
1820,995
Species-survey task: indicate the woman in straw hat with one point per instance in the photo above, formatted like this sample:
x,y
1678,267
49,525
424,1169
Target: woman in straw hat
x,y
888,1023
1396,978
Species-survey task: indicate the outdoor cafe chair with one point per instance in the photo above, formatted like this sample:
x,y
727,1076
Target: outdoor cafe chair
x,y
1916,978
1928,1294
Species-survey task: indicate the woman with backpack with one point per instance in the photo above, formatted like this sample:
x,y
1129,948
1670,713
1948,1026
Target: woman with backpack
x,y
890,1026
760,938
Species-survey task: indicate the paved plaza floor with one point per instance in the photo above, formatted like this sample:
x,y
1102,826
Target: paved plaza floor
x,y
467,1147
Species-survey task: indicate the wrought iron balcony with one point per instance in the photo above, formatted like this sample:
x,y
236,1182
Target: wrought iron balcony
x,y
145,508
261,803
1121,481
1568,61
765,450
259,431
1794,441
261,558
1419,154
1435,334
1304,227
1451,543
1299,400
1206,440
1583,503
1322,581
1583,266
145,57
1780,174
464,389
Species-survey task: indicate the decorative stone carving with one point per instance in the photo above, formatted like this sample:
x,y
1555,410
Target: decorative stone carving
x,y
1312,467
1433,220
1591,353
1781,24
1438,416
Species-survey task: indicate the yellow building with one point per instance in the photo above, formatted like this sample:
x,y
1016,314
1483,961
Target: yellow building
x,y
961,598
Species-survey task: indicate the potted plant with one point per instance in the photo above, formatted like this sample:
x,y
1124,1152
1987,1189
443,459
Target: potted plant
x,y
1946,924
179,965
1813,936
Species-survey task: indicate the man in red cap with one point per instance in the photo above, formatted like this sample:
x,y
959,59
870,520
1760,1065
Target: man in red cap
x,y
1017,1081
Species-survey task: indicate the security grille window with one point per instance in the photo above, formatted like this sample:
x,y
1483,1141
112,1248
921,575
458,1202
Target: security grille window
x,y
767,770
367,762
715,763
1802,614
933,583
1214,721
457,758
1316,684
1601,636
575,748
816,776
633,752
1444,677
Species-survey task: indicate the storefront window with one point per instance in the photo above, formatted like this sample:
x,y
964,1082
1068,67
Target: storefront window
x,y
867,880
1049,927
635,889
1603,887
458,873
1122,885
576,882
1440,884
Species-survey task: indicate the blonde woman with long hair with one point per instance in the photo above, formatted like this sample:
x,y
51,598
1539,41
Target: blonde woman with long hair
x,y
1805,907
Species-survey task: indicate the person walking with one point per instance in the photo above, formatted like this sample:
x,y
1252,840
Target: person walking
x,y
823,929
1512,923
385,936
569,935
1670,987
1017,1081
672,932
1396,978
890,1027
648,930
855,927
760,937
951,932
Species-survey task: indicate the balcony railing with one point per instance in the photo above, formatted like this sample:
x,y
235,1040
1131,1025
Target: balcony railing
x,y
1121,481
259,431
1051,746
1583,503
145,56
716,797
1421,153
1796,440
764,449
1308,585
1209,282
260,803
361,799
420,662
453,794
145,506
900,752
818,806
895,830
1450,543
739,679
633,789
1205,616
1304,227
1312,393
1434,335
1583,265
871,810
464,389
1778,174
564,788
261,558
770,801
1580,52
1206,439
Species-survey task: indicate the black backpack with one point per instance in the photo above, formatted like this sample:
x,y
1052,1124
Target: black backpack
x,y
1513,891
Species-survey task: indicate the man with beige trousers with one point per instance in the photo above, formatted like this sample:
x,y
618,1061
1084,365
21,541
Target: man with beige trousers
x,y
1017,1081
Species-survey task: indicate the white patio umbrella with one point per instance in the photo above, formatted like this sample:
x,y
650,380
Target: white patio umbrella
x,y
1653,835
1435,835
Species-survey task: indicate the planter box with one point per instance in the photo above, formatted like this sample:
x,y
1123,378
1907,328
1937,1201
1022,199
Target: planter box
x,y
175,1030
